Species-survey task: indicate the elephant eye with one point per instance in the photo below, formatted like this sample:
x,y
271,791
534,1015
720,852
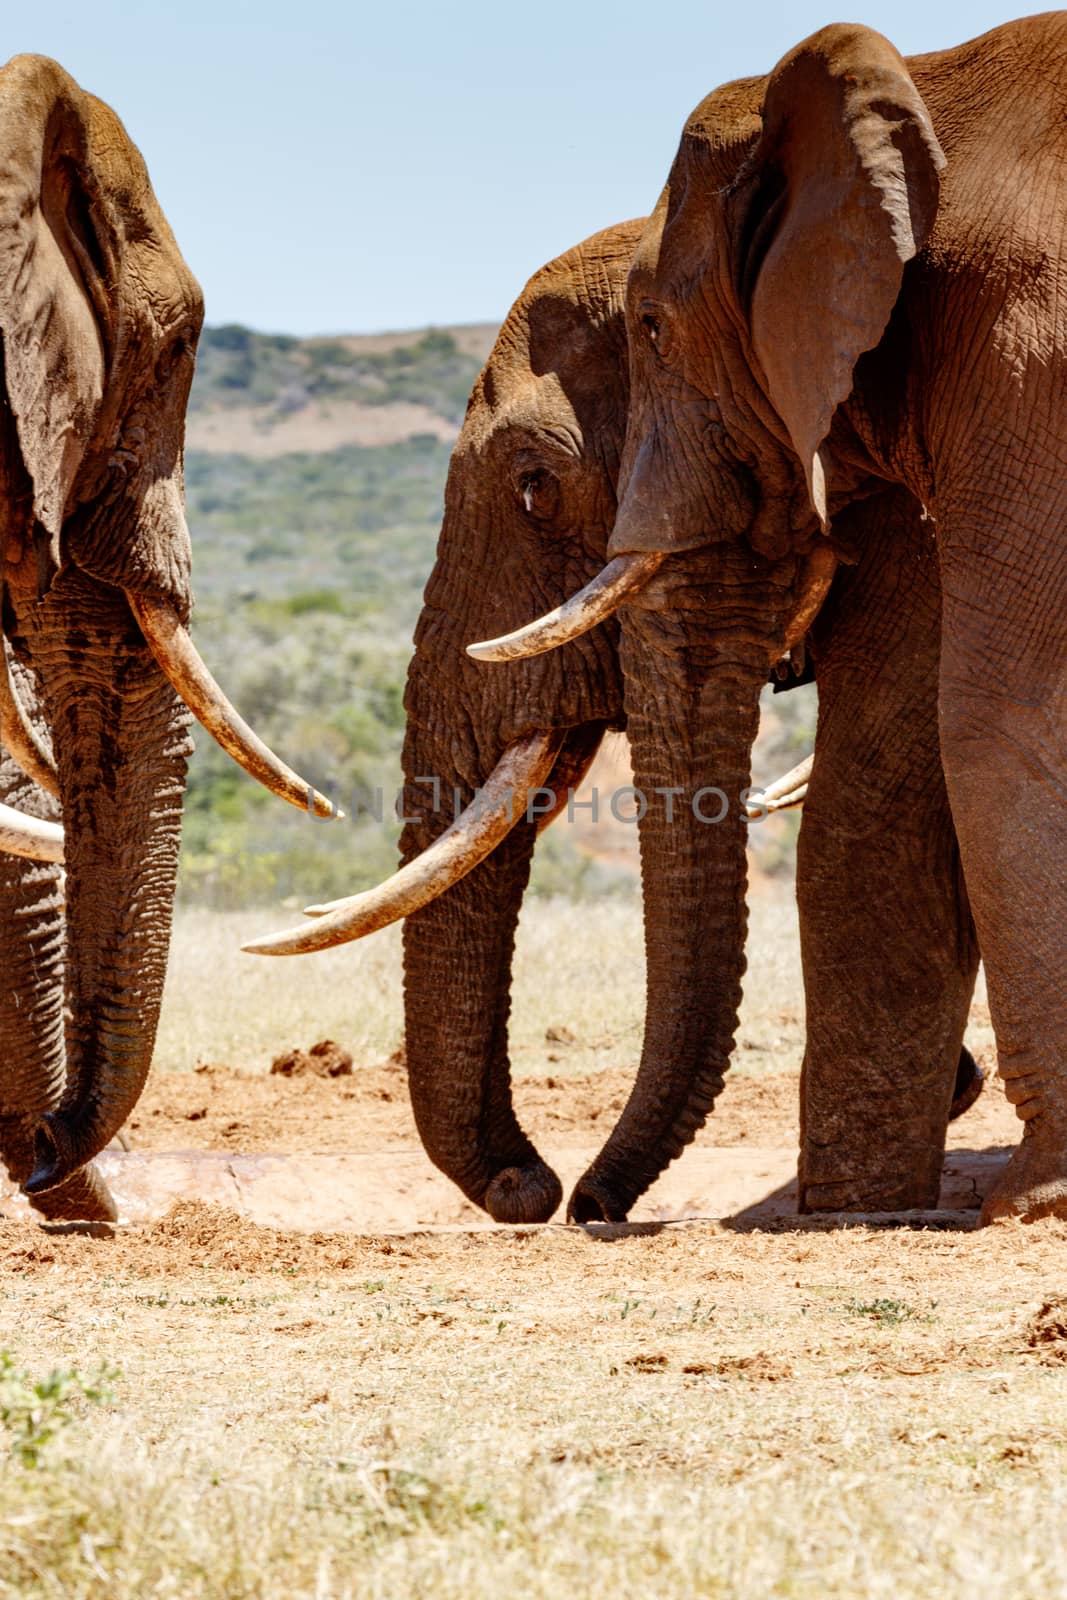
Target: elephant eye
x,y
530,484
538,490
651,324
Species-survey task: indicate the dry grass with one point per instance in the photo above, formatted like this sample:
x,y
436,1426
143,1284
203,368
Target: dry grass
x,y
578,967
804,1413
695,1413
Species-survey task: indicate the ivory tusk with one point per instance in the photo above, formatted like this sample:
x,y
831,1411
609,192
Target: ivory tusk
x,y
783,793
815,580
21,835
176,654
524,766
18,735
622,577
567,776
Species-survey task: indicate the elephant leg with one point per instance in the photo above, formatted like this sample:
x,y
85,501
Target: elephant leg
x,y
32,1048
1003,720
888,945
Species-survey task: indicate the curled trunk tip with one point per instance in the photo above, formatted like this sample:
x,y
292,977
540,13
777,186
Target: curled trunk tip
x,y
55,1155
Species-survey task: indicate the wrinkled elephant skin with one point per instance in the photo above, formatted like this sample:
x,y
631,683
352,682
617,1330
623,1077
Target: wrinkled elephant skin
x,y
847,295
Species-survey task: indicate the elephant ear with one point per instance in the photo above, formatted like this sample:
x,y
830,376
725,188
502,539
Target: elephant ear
x,y
842,192
53,263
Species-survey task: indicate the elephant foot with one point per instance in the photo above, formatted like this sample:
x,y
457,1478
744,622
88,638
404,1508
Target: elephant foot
x,y
970,1081
1034,1183
83,1197
866,1192
523,1194
594,1201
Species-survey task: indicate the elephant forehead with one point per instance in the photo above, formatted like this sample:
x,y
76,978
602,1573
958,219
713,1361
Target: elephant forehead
x,y
718,136
728,120
535,411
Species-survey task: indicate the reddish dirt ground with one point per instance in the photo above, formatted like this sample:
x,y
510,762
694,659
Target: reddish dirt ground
x,y
218,1108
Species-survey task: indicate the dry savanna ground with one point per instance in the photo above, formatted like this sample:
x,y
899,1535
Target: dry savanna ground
x,y
198,1405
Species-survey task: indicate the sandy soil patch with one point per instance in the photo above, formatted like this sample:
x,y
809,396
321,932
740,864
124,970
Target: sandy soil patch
x,y
221,1108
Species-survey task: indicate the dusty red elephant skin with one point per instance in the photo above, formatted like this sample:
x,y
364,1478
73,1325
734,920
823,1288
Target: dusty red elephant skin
x,y
99,322
529,507
852,281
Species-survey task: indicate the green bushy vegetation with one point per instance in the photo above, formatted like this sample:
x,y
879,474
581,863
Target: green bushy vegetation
x,y
309,571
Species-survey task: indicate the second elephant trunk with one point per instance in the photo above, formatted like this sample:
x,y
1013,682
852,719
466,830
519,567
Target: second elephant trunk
x,y
122,744
692,714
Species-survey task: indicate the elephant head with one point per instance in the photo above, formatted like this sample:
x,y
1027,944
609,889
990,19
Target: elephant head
x,y
529,504
99,321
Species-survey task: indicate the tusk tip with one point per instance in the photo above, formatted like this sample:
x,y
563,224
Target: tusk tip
x,y
259,947
292,942
324,809
486,650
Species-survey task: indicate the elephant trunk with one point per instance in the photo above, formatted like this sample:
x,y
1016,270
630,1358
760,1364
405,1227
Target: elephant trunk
x,y
458,948
692,716
122,746
31,1025
457,999
31,1013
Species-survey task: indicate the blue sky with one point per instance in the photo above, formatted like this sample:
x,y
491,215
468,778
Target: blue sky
x,y
331,167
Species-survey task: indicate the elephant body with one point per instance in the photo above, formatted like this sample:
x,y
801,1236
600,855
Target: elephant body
x,y
99,317
850,289
99,322
529,505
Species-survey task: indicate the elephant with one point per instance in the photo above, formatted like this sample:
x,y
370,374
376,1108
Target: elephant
x,y
529,504
848,289
99,321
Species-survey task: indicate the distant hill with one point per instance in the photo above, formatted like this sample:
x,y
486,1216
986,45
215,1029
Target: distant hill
x,y
315,473
268,394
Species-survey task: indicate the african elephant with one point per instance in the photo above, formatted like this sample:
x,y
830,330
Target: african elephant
x,y
851,282
529,504
99,318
